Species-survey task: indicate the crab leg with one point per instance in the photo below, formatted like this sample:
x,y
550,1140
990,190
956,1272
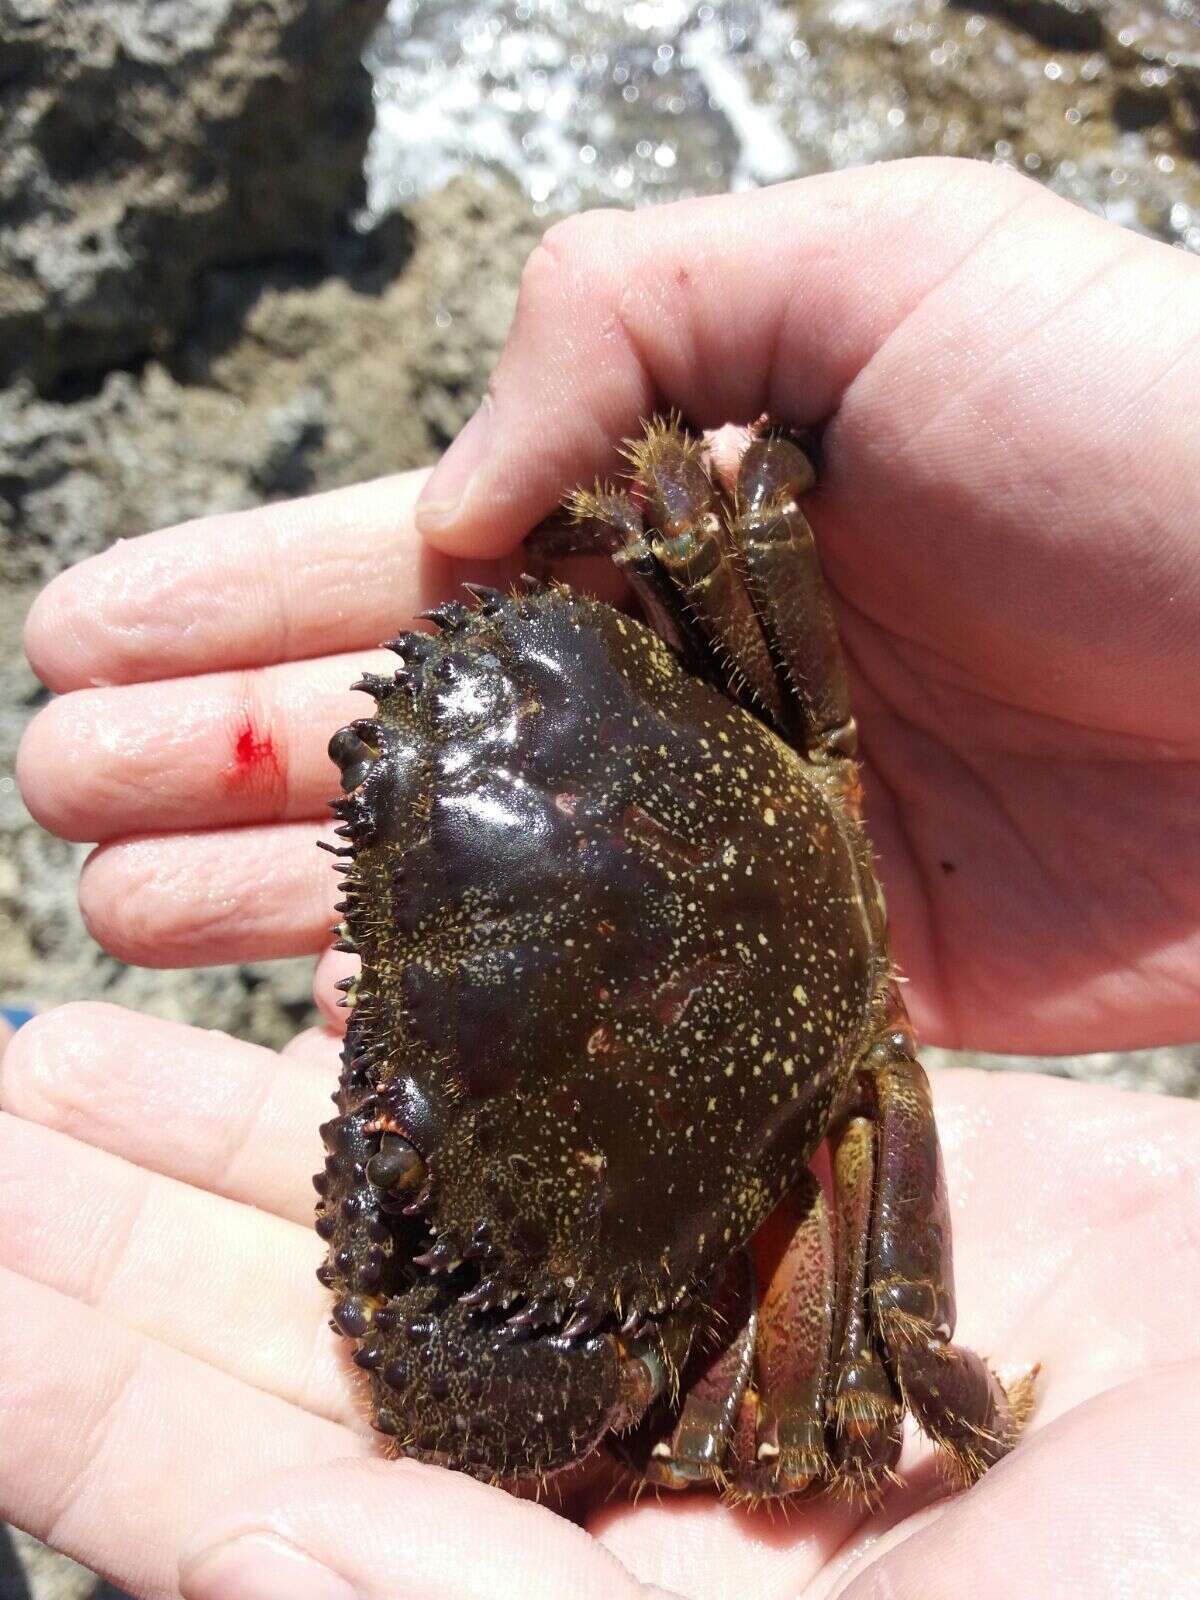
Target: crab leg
x,y
865,1412
790,596
695,1450
705,1348
954,1396
609,522
687,537
779,1447
754,1413
682,565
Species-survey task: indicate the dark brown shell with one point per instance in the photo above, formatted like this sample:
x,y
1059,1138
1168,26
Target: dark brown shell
x,y
617,950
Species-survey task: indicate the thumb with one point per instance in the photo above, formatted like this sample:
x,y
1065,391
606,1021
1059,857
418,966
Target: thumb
x,y
372,1530
726,306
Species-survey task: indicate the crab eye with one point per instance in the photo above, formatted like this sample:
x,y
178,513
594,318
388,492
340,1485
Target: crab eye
x,y
353,755
396,1165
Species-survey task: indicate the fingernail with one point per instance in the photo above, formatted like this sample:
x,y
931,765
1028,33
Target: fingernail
x,y
447,486
260,1567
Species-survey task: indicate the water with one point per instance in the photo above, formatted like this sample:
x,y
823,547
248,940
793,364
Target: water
x,y
584,104
598,102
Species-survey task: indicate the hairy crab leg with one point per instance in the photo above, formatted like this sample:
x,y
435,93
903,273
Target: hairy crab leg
x,y
866,1415
692,1446
708,1349
610,522
779,1447
680,562
784,573
753,1417
955,1397
687,536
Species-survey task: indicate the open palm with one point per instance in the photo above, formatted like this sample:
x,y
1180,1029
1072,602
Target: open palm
x,y
165,1356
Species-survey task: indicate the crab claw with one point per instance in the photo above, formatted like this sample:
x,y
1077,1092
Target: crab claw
x,y
428,1392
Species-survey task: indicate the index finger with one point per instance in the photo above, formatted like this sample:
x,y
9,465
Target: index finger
x,y
336,571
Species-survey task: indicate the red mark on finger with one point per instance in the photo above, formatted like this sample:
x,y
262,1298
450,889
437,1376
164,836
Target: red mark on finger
x,y
254,759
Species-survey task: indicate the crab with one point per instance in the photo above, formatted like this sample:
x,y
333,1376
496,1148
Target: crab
x,y
625,969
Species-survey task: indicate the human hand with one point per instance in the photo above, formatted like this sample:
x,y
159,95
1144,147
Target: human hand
x,y
1007,520
169,1384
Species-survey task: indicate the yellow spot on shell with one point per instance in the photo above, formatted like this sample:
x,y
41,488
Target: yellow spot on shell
x,y
801,994
769,816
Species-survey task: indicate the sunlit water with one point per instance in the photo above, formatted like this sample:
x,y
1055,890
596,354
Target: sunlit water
x,y
596,102
583,103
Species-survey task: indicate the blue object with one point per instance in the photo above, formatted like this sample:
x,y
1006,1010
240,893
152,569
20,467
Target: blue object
x,y
17,1016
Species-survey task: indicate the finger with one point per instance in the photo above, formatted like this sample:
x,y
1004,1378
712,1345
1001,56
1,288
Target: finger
x,y
620,313
233,1287
330,1533
231,748
282,582
115,1445
336,571
198,1107
201,899
1050,1521
334,967
320,1046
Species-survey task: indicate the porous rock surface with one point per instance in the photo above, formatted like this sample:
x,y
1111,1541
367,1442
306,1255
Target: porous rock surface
x,y
141,140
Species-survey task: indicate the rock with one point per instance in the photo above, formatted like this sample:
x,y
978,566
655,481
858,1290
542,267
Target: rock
x,y
29,1569
1162,60
268,395
1098,99
1060,24
139,143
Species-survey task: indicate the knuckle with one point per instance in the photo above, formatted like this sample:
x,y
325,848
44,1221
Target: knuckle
x,y
976,178
570,250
